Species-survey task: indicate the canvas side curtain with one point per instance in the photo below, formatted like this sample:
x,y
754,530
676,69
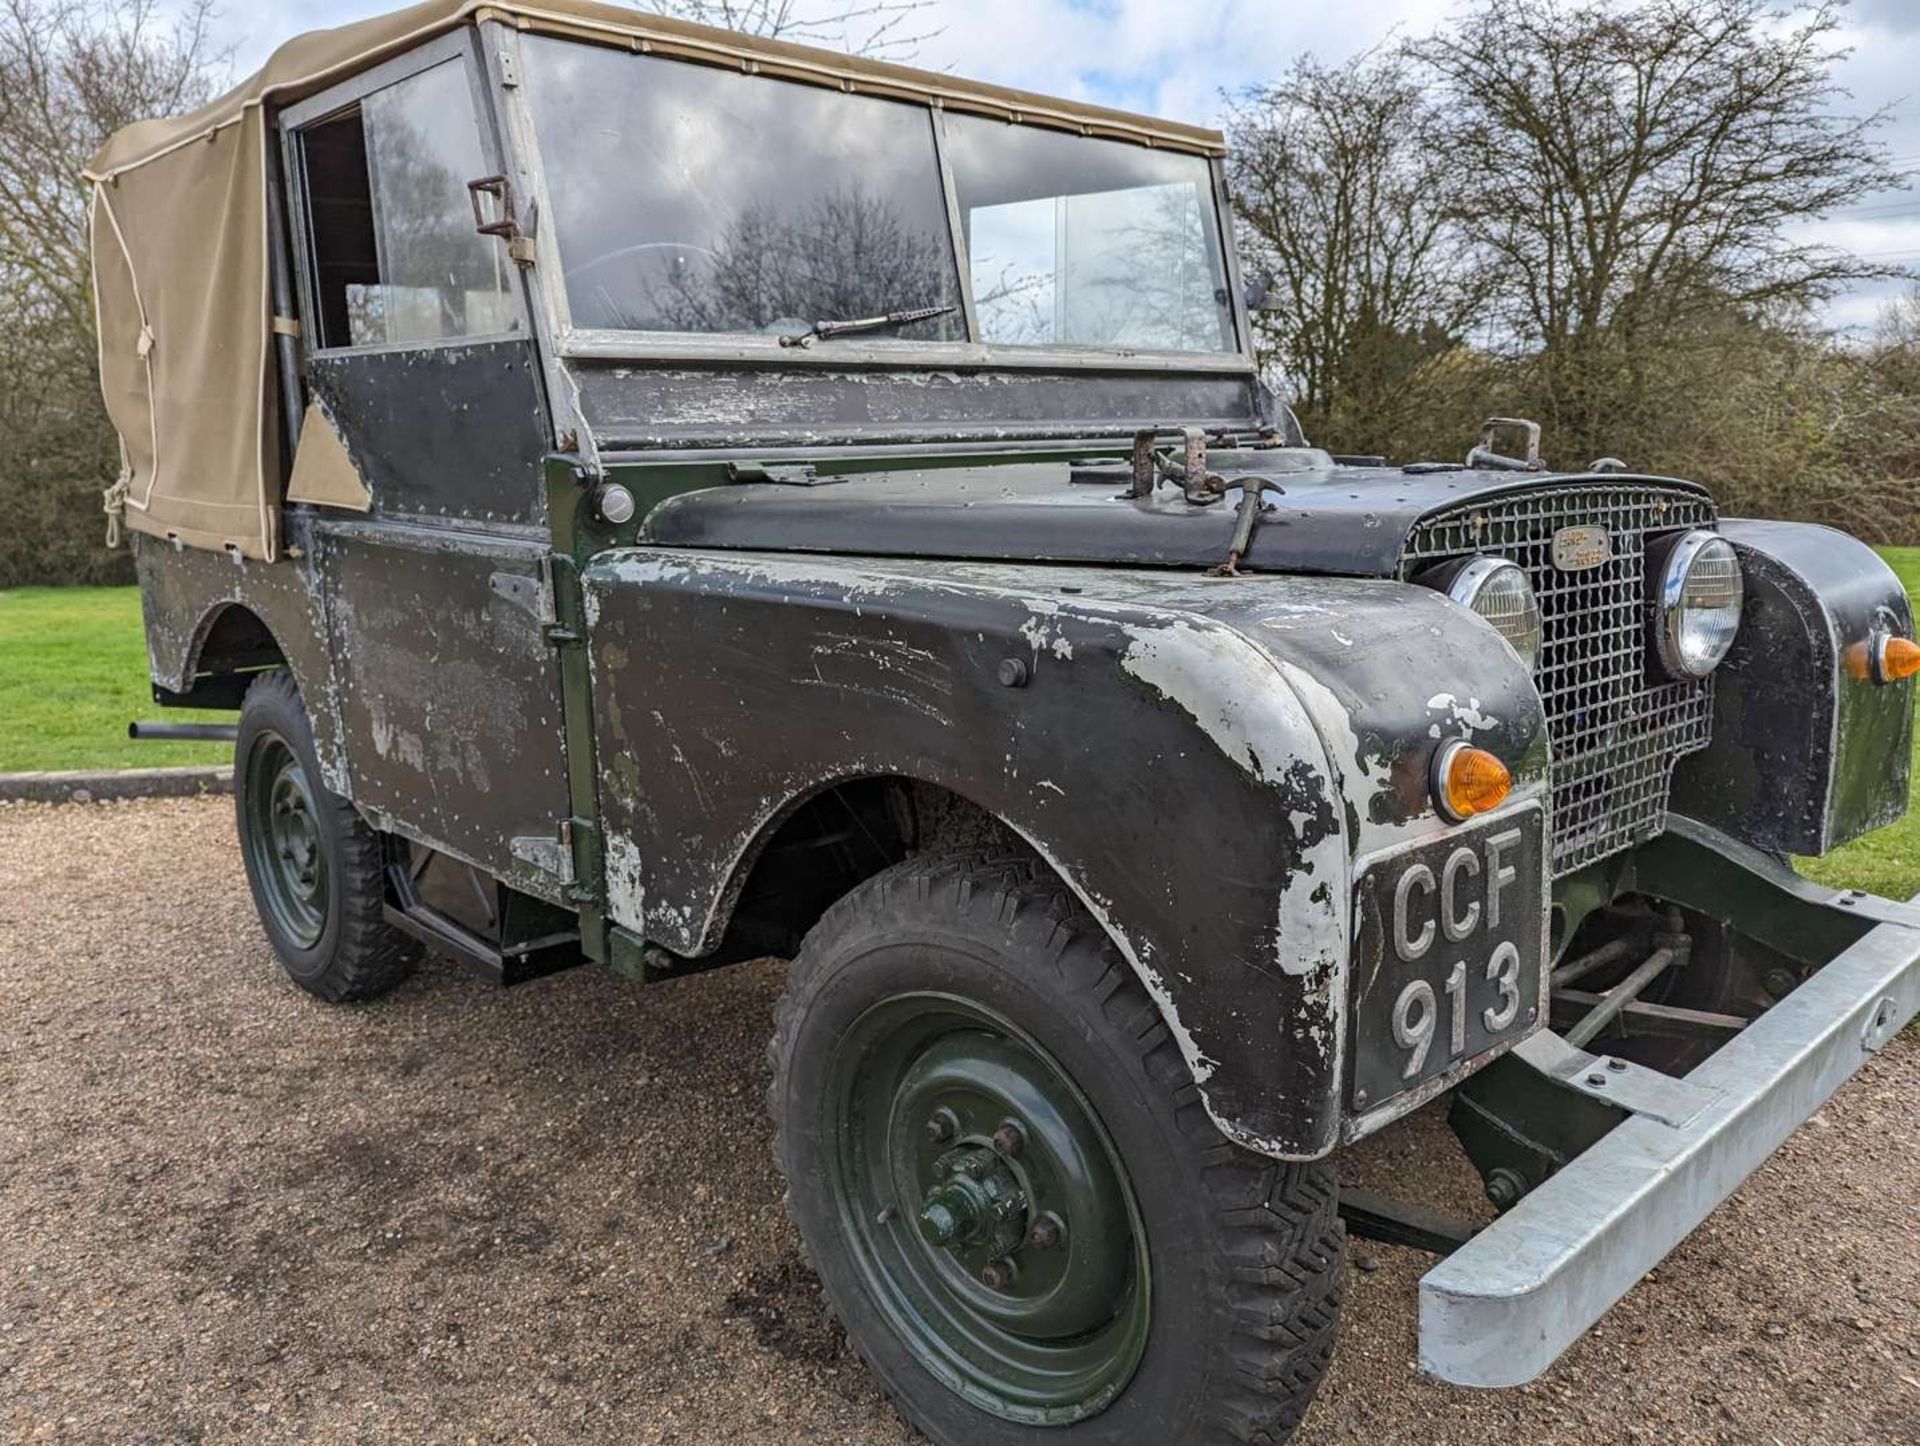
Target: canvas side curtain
x,y
181,292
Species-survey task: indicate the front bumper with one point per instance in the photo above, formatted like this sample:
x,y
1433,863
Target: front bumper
x,y
1501,1309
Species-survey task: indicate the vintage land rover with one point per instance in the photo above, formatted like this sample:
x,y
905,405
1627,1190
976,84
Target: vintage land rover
x,y
662,498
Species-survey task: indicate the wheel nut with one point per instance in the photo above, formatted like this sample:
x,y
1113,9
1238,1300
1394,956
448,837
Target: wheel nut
x,y
1046,1233
997,1275
1009,1141
940,1128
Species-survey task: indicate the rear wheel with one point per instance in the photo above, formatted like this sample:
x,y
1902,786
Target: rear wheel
x,y
1010,1187
316,870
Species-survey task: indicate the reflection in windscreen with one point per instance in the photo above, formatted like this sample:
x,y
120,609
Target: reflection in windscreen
x,y
1077,242
693,199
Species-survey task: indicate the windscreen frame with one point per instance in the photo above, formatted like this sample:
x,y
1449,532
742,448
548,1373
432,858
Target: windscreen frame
x,y
572,342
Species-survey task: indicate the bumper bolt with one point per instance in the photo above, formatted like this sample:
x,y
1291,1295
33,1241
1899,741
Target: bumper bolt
x,y
1009,1140
1504,1188
997,1275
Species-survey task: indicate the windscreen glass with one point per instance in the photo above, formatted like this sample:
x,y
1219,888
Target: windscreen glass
x,y
1080,242
688,198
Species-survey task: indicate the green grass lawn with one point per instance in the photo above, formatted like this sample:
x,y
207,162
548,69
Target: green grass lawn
x,y
73,674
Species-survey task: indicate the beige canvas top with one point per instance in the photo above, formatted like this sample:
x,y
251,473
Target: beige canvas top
x,y
180,242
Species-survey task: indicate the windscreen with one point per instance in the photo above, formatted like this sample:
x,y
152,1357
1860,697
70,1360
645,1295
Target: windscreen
x,y
1073,241
688,198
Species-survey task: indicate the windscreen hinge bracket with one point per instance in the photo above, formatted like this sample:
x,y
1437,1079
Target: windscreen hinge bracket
x,y
502,220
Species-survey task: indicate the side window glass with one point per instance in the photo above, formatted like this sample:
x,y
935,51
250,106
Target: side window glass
x,y
395,255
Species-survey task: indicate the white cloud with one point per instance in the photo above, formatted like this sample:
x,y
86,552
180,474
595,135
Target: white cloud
x,y
1169,58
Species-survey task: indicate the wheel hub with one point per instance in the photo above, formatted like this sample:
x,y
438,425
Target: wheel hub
x,y
990,1209
285,848
298,837
977,1203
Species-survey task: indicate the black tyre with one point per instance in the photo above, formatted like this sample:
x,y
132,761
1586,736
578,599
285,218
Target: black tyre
x,y
315,868
1014,1197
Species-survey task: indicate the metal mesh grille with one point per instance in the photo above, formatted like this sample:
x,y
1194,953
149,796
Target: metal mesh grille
x,y
1615,733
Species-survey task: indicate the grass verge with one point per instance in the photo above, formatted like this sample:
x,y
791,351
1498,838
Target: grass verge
x,y
73,674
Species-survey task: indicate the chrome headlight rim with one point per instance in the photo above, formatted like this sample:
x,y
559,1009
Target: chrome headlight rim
x,y
1671,609
1467,582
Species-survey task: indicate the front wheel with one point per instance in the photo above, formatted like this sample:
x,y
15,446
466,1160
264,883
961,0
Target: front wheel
x,y
315,868
1013,1194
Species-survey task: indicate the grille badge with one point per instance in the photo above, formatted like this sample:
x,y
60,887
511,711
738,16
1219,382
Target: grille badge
x,y
1577,549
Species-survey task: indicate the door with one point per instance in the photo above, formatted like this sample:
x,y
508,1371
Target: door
x,y
419,357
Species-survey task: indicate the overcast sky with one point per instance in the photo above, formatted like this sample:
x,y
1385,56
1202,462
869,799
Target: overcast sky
x,y
1174,57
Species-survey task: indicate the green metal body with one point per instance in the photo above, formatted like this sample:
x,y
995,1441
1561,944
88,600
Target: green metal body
x,y
579,535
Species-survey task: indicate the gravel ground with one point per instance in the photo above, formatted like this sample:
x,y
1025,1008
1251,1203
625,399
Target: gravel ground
x,y
230,1213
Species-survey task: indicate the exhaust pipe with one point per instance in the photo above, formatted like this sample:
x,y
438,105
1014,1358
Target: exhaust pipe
x,y
185,732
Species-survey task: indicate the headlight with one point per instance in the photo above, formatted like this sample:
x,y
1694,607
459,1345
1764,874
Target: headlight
x,y
1698,592
1498,591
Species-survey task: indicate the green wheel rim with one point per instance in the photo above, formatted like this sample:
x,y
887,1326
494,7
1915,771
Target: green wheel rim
x,y
284,843
987,1209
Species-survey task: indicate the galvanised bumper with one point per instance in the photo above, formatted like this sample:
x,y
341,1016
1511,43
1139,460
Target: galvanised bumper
x,y
1501,1309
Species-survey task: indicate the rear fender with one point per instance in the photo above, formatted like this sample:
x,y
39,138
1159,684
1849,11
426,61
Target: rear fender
x,y
184,592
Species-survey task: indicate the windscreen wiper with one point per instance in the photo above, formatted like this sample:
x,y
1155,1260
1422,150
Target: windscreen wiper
x,y
825,330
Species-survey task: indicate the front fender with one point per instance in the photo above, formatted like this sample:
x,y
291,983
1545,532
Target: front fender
x,y
1809,751
1184,753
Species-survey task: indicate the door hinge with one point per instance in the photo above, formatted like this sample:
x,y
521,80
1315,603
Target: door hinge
x,y
551,856
582,837
531,594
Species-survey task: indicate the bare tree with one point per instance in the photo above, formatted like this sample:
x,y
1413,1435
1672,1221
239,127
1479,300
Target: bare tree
x,y
878,29
1343,199
71,73
1629,168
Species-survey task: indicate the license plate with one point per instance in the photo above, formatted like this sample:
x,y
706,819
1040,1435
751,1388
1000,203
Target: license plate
x,y
1450,953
